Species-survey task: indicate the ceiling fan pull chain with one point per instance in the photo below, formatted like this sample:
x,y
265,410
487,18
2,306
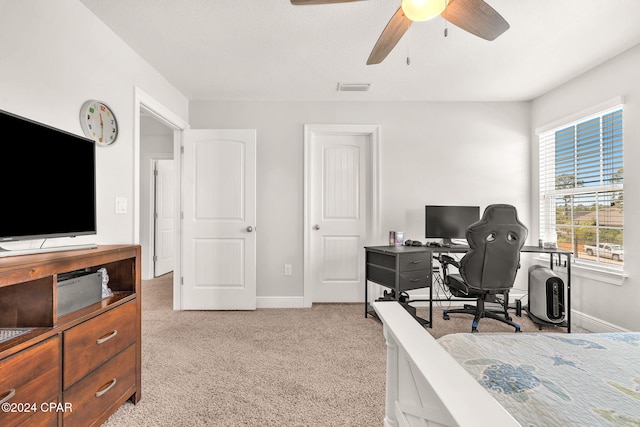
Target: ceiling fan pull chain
x,y
446,29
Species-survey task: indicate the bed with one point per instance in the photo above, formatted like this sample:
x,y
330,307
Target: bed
x,y
527,379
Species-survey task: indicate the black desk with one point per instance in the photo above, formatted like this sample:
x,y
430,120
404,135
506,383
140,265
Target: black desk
x,y
404,268
401,268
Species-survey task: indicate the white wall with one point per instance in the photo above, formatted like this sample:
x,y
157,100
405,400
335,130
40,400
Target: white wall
x,y
431,153
54,55
617,302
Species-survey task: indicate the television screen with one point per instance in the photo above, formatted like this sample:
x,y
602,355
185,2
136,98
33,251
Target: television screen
x,y
449,222
49,181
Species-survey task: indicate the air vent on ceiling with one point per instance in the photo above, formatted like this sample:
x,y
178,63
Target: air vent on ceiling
x,y
353,87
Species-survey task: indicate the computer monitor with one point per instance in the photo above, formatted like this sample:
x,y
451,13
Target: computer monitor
x,y
449,222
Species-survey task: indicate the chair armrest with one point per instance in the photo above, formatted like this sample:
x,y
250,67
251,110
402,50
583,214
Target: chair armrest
x,y
446,260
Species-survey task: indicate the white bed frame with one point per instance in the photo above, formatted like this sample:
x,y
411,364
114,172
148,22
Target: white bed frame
x,y
425,385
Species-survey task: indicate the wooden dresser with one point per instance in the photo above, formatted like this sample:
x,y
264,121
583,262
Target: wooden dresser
x,y
76,369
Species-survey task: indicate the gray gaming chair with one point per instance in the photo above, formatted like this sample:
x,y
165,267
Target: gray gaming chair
x,y
487,271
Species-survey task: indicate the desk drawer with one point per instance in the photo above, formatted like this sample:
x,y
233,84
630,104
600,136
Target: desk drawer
x,y
414,280
95,341
94,395
31,376
413,262
383,260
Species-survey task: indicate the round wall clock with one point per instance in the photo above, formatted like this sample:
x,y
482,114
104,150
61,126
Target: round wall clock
x,y
98,122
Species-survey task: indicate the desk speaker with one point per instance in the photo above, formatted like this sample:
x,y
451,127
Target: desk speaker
x,y
546,295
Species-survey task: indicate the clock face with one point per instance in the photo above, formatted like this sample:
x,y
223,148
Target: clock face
x,y
98,122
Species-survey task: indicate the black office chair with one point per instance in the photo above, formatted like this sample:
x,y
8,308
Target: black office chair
x,y
488,270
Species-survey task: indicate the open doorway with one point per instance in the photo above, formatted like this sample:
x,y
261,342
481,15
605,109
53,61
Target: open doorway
x,y
157,195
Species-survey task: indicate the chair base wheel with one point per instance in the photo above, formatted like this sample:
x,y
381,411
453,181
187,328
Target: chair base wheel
x,y
496,315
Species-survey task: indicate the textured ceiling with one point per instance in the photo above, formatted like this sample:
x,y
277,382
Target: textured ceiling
x,y
272,50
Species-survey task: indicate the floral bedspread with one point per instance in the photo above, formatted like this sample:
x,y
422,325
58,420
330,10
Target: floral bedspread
x,y
556,379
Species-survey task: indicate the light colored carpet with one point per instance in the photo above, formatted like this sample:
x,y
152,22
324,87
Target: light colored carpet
x,y
319,366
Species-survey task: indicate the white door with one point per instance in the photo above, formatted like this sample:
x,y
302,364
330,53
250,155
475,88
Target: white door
x,y
164,217
219,218
341,209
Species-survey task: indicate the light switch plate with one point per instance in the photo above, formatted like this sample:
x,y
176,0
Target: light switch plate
x,y
121,205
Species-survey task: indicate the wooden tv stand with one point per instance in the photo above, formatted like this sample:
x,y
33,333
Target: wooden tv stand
x,y
76,369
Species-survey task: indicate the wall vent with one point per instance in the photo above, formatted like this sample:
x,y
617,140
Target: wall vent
x,y
353,87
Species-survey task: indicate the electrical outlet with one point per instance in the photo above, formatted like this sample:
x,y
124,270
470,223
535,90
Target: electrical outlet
x,y
287,269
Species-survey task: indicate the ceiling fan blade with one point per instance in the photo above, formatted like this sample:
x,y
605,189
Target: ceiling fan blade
x,y
476,17
310,2
393,32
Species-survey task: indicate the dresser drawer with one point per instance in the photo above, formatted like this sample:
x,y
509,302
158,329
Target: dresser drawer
x,y
109,385
91,343
45,418
414,280
30,377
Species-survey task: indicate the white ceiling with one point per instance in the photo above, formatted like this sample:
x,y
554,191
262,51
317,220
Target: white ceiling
x,y
272,50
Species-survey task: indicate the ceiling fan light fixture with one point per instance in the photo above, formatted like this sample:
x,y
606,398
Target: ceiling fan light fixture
x,y
422,10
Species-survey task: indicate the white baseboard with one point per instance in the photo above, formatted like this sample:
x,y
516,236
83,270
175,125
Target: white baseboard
x,y
593,324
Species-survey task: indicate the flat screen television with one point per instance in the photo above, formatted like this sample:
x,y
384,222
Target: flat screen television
x,y
449,223
49,180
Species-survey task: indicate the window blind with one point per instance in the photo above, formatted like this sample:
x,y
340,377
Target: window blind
x,y
581,187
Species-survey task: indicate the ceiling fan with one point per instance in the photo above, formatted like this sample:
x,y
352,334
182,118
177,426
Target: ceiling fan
x,y
474,16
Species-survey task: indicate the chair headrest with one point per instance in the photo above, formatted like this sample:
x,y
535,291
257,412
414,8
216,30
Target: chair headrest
x,y
501,214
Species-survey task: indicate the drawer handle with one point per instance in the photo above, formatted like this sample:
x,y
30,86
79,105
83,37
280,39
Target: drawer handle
x,y
416,262
106,388
8,396
106,337
414,280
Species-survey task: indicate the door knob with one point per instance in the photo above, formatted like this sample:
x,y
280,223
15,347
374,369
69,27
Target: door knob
x,y
249,229
316,227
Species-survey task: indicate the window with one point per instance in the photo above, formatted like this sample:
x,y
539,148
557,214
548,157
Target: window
x,y
581,188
